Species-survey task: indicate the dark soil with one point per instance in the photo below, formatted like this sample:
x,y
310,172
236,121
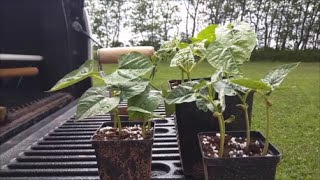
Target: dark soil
x,y
233,146
174,83
127,133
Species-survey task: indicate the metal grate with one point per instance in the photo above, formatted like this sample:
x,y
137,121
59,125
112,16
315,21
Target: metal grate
x,y
66,153
27,109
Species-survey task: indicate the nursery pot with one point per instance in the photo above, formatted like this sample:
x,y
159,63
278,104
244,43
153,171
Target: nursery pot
x,y
190,121
124,159
252,167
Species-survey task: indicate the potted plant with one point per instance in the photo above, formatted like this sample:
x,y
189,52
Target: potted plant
x,y
244,154
123,149
226,48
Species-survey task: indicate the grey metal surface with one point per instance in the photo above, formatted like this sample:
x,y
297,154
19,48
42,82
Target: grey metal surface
x,y
65,152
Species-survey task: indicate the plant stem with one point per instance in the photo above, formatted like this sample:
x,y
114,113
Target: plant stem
x,y
188,75
182,77
117,121
222,132
153,86
244,107
144,128
246,116
149,125
210,93
266,143
115,111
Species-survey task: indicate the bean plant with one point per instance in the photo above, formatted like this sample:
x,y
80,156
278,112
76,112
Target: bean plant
x,y
187,56
264,87
229,48
126,83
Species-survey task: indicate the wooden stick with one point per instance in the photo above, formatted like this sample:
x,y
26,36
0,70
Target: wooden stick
x,y
111,55
20,57
17,72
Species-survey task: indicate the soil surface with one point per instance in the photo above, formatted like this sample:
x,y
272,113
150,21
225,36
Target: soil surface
x,y
233,146
175,84
127,133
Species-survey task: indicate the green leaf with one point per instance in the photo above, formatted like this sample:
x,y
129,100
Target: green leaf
x,y
182,93
98,81
132,88
94,102
251,84
277,74
230,119
201,83
207,34
203,105
183,45
147,101
119,77
75,76
222,102
135,63
169,108
167,50
232,47
198,48
183,57
234,87
227,89
217,75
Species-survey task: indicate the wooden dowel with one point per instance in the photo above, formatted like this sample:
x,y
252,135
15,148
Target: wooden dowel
x,y
20,57
111,55
17,72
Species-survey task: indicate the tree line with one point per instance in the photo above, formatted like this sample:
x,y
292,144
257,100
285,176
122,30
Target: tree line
x,y
279,24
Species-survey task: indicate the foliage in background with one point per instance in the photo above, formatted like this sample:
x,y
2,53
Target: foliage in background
x,y
280,25
269,54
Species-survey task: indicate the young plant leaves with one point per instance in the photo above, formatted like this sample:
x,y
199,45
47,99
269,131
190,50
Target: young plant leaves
x,y
182,93
207,34
198,49
277,74
135,63
204,105
94,102
251,84
183,57
166,51
232,47
169,108
119,77
227,89
216,76
132,88
143,104
75,76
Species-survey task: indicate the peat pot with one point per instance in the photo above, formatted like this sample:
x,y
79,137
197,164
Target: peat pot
x,y
190,121
251,167
124,159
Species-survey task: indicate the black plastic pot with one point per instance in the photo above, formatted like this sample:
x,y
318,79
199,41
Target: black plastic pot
x,y
190,121
124,159
258,167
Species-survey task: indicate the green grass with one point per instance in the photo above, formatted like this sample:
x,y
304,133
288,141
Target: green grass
x,y
295,114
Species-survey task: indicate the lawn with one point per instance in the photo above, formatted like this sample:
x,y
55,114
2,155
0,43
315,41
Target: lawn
x,y
295,114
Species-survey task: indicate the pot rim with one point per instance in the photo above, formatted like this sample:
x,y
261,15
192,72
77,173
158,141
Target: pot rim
x,y
274,151
153,124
